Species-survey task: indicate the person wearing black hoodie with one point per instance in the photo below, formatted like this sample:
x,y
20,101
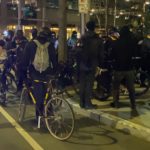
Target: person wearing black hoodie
x,y
124,49
91,56
28,63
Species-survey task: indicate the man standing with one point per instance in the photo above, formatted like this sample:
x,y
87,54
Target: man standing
x,y
122,52
90,57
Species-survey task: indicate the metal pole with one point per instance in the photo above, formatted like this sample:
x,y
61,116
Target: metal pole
x,y
43,13
82,23
115,13
106,16
19,15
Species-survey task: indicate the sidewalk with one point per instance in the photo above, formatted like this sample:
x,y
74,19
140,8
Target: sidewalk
x,y
122,119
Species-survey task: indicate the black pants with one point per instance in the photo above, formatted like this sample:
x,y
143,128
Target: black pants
x,y
39,91
129,77
21,75
86,86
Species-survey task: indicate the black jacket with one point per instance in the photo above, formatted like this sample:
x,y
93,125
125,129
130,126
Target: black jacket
x,y
124,49
92,51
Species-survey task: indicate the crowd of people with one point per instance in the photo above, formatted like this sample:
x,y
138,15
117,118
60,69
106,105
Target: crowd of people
x,y
39,57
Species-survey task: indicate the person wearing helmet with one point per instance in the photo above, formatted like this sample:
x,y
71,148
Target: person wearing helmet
x,y
9,45
40,58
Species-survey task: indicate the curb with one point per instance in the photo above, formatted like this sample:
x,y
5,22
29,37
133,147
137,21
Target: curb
x,y
113,121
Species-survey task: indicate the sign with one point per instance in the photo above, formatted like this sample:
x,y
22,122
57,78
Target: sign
x,y
84,6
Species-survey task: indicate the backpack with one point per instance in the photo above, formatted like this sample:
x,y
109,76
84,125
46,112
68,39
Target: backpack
x,y
41,59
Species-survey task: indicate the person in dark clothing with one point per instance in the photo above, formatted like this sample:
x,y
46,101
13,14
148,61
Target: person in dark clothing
x,y
10,47
29,59
71,44
34,33
90,57
104,80
9,41
122,52
145,54
20,43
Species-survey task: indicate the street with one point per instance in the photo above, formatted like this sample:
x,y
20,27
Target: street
x,y
88,134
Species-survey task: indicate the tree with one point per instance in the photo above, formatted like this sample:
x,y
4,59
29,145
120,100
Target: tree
x,y
62,50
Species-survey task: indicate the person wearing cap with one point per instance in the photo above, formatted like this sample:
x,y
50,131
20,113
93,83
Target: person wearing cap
x,y
47,57
91,56
122,52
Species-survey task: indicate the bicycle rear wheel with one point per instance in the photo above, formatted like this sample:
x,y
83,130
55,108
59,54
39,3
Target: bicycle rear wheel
x,y
23,103
142,89
59,118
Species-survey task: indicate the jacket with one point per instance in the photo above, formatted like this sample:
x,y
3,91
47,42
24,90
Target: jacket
x,y
123,50
29,54
92,52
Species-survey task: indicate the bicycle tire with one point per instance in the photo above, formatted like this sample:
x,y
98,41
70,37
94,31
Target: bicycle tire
x,y
22,105
59,127
11,84
140,90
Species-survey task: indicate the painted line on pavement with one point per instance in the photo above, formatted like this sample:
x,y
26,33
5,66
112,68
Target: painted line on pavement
x,y
21,131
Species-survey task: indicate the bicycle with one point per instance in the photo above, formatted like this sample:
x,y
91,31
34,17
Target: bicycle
x,y
103,92
58,113
68,79
9,72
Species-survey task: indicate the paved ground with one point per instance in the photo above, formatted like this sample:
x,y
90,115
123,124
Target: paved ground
x,y
137,124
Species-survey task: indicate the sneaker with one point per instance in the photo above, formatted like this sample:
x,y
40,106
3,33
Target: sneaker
x,y
134,113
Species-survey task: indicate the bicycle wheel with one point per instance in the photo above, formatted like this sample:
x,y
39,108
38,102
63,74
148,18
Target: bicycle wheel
x,y
142,89
23,103
59,118
11,83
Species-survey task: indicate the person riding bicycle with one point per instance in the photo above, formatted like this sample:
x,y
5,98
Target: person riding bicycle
x,y
40,60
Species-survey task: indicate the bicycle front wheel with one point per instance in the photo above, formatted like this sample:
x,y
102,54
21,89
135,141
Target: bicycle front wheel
x,y
23,103
59,118
11,83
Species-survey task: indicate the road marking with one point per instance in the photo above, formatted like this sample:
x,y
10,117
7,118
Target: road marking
x,y
21,131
